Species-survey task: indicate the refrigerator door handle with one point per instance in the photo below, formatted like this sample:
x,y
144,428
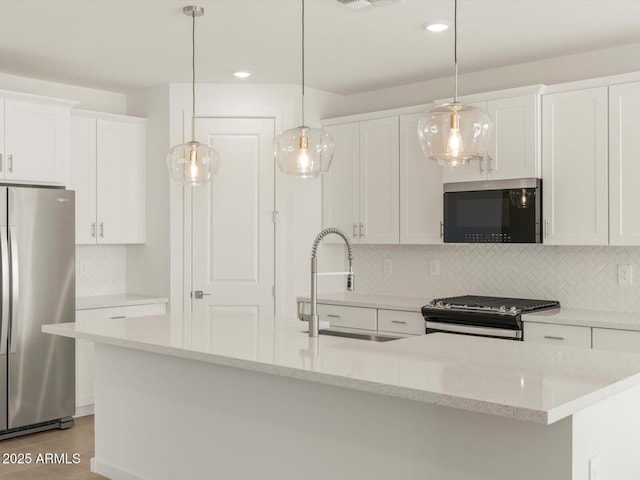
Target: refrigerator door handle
x,y
4,315
15,290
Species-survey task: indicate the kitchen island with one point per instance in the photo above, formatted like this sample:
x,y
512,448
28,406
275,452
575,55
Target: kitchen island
x,y
233,397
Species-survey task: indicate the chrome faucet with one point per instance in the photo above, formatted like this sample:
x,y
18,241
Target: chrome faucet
x,y
312,317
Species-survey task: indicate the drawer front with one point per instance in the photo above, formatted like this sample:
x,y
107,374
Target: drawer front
x,y
617,340
397,321
124,311
348,317
557,334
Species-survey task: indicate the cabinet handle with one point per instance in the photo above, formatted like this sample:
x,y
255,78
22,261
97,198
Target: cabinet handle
x,y
480,169
361,229
119,316
1,162
332,315
93,229
101,230
441,229
489,167
355,234
546,228
550,337
10,158
400,322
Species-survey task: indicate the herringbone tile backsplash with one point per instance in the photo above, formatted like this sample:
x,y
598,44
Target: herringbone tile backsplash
x,y
579,277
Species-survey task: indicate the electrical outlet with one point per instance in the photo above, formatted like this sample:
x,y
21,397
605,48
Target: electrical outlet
x,y
84,268
625,274
434,267
387,265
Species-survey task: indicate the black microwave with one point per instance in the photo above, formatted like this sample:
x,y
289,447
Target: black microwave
x,y
497,211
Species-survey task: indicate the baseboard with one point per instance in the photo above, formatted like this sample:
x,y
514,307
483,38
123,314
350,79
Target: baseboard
x,y
112,472
84,410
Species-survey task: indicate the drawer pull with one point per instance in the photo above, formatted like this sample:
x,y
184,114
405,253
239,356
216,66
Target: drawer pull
x,y
550,337
400,322
333,316
119,316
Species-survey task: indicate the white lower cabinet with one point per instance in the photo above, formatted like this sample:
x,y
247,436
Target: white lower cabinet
x,y
618,340
396,321
84,349
552,334
348,317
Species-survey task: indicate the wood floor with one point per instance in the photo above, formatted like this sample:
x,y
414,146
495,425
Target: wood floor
x,y
78,440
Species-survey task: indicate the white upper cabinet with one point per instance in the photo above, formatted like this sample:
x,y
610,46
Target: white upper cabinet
x,y
514,150
624,164
420,188
575,163
35,140
340,188
108,175
379,181
361,190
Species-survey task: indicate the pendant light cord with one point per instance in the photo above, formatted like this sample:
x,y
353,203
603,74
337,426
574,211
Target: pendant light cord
x,y
193,75
455,49
302,62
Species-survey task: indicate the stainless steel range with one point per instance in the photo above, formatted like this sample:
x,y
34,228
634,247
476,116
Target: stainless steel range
x,y
497,317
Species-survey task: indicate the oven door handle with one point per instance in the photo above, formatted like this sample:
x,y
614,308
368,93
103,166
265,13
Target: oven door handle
x,y
469,330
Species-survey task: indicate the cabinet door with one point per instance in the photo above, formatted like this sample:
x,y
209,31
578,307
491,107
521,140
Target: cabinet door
x,y
380,181
83,177
420,188
120,184
514,151
574,167
36,142
553,334
617,340
474,171
624,167
85,385
340,192
348,317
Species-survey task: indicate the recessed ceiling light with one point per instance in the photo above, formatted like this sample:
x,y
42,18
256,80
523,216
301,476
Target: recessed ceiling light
x,y
437,27
242,74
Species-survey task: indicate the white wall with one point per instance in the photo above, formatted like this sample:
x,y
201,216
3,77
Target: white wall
x,y
298,201
596,63
89,98
148,264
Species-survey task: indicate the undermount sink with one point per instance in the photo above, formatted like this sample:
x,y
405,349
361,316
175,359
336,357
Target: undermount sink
x,y
373,337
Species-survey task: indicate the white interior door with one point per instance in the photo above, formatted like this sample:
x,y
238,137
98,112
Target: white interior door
x,y
233,233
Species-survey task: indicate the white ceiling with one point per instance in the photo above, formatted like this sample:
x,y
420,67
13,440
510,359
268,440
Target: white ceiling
x,y
125,45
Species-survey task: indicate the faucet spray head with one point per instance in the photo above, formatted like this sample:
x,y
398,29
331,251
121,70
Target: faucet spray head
x,y
351,278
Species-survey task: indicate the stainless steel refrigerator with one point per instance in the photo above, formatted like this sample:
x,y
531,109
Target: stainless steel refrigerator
x,y
37,287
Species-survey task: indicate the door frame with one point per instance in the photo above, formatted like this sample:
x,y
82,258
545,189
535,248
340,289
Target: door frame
x,y
182,217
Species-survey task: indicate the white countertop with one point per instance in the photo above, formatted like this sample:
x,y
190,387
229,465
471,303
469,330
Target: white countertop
x,y
586,318
562,316
390,302
526,381
122,300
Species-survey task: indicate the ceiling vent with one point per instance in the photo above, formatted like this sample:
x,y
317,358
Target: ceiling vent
x,y
360,4
356,4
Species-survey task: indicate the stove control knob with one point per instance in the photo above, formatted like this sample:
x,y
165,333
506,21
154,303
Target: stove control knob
x,y
513,310
439,304
503,309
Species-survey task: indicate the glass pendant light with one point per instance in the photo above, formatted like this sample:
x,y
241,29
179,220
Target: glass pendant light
x,y
303,151
453,133
193,163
